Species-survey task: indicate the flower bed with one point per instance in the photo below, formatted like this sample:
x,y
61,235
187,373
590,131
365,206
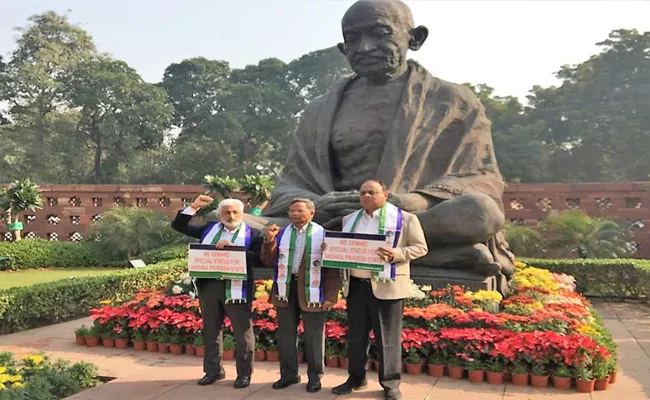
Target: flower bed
x,y
544,328
35,377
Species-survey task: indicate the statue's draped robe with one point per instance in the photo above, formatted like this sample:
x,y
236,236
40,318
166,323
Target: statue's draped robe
x,y
439,145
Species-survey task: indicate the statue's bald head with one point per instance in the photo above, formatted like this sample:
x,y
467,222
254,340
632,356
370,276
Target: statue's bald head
x,y
377,34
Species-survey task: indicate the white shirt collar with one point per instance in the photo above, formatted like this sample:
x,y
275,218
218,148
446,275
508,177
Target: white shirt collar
x,y
301,230
375,214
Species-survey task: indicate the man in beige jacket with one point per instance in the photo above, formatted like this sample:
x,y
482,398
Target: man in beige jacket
x,y
375,299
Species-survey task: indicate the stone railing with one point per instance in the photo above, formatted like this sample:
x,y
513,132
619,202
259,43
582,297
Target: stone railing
x,y
69,210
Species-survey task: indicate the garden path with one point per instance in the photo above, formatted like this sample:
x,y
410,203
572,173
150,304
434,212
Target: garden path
x,y
154,376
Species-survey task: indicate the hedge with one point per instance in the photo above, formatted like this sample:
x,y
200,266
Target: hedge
x,y
39,253
66,299
165,253
609,278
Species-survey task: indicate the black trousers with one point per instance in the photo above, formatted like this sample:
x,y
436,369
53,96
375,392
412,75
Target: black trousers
x,y
212,298
384,317
314,337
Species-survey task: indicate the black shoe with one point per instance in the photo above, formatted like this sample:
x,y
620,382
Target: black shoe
x,y
349,386
285,383
242,382
313,386
392,394
210,378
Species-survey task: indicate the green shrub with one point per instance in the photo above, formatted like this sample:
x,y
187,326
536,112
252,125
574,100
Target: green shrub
x,y
611,278
53,302
165,253
39,253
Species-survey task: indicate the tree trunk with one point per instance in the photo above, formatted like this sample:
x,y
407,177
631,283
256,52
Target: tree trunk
x,y
16,232
97,170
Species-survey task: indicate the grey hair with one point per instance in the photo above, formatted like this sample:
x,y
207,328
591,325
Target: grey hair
x,y
310,204
230,202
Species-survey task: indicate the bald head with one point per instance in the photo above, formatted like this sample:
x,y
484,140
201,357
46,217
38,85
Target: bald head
x,y
377,35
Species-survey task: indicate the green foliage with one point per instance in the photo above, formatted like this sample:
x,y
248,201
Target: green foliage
x,y
223,185
50,303
165,253
21,196
259,188
524,241
609,278
596,237
39,253
126,232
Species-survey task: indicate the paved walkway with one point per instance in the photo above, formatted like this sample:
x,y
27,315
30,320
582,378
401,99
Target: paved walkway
x,y
152,376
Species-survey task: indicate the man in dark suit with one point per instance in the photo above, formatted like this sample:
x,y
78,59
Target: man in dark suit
x,y
221,297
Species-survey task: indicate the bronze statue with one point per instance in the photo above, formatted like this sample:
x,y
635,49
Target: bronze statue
x,y
427,139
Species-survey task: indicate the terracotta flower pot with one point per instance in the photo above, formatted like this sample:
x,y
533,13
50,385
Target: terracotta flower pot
x,y
189,349
332,362
199,351
601,384
456,372
92,341
152,346
343,362
436,370
122,343
272,355
539,381
176,349
476,376
301,357
228,355
80,340
260,355
414,369
139,345
562,383
520,379
585,385
612,378
108,342
496,378
163,348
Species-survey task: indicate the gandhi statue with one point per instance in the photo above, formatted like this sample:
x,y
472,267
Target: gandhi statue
x,y
427,139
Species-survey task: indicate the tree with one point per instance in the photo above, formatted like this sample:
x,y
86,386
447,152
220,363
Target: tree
x,y
576,232
119,112
317,72
597,120
21,196
523,241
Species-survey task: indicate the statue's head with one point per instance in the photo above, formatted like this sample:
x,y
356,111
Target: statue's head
x,y
377,35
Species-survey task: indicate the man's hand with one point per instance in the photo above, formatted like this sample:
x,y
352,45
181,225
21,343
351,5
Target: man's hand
x,y
223,243
201,200
272,232
323,246
386,253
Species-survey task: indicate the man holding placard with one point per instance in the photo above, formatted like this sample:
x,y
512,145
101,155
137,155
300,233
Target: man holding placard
x,y
222,265
381,240
301,288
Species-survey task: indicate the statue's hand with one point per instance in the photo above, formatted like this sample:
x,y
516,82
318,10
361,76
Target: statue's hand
x,y
410,202
336,204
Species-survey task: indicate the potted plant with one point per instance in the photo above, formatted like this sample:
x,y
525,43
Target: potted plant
x,y
331,357
108,338
121,335
260,354
189,345
21,196
413,361
176,343
436,363
562,377
495,371
612,368
163,340
272,353
152,342
455,367
476,370
539,375
584,379
198,345
138,340
92,340
80,335
228,347
600,371
519,371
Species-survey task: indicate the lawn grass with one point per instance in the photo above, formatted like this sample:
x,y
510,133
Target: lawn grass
x,y
9,279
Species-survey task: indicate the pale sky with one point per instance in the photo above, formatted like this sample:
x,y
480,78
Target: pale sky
x,y
510,45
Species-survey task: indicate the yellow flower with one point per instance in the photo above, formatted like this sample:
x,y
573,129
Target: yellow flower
x,y
478,309
18,385
520,264
36,359
118,300
15,378
486,295
426,288
2,386
105,302
3,370
260,294
269,284
587,330
4,378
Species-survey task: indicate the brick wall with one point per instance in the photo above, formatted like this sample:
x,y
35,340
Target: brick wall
x,y
69,210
